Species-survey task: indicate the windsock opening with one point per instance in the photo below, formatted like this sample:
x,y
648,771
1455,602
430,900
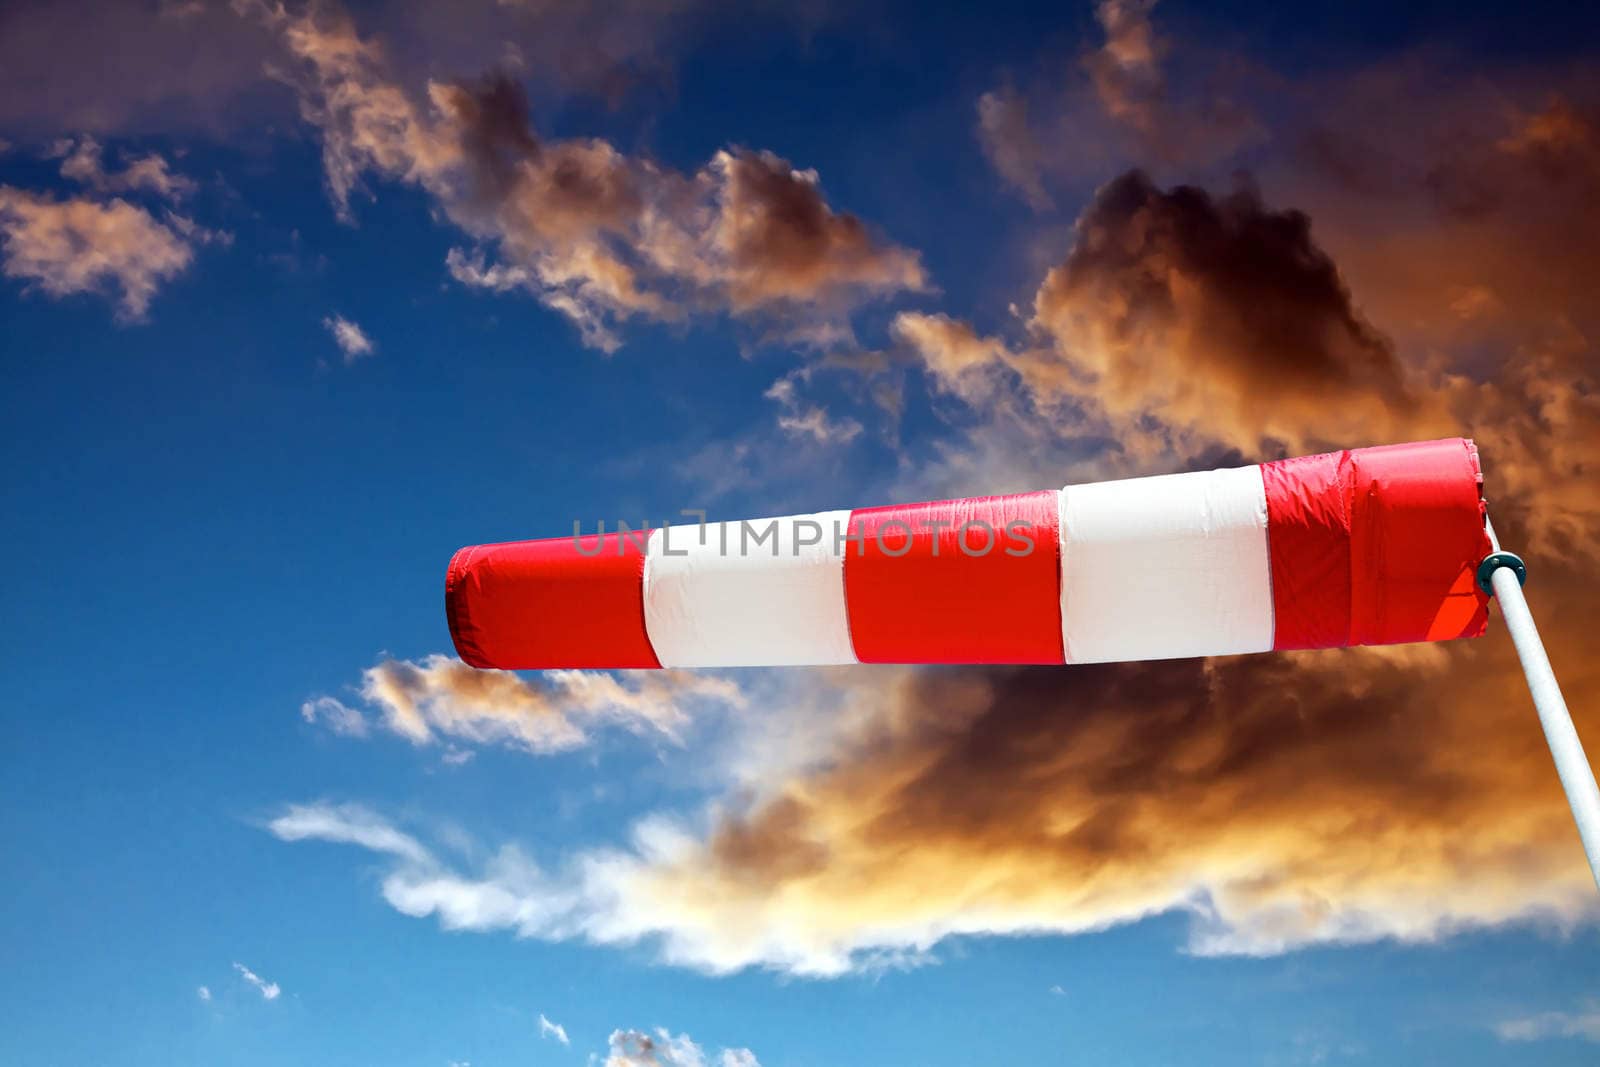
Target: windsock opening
x,y
1359,547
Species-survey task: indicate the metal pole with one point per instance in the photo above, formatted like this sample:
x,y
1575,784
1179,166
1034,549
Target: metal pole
x,y
1505,575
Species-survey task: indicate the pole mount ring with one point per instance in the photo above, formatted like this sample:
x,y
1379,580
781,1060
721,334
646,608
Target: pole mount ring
x,y
1493,562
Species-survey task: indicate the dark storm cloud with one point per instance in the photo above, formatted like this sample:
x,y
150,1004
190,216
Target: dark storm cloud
x,y
1211,310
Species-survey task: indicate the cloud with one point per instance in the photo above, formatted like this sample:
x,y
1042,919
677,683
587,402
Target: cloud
x,y
1131,99
1009,143
776,240
335,716
1498,209
1259,795
636,1048
1280,801
952,352
595,234
347,824
1126,68
1443,287
146,173
801,419
350,338
509,892
1181,117
1277,800
1583,1024
268,990
472,270
550,1029
1204,330
1476,250
203,992
79,245
1213,313
1184,326
544,712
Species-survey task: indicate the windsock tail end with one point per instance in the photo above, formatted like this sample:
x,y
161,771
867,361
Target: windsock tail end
x,y
563,602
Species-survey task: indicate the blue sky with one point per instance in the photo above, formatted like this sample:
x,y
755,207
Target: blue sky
x,y
220,518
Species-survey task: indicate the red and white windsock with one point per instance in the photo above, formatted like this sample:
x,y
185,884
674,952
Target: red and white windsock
x,y
1368,546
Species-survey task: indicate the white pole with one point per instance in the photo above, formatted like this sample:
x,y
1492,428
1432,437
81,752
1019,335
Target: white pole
x,y
1571,764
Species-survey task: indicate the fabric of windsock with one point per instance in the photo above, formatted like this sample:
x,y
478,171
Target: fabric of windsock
x,y
1366,546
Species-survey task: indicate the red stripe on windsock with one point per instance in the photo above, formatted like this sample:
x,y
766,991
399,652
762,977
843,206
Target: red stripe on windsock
x,y
1416,539
914,595
1308,543
561,602
1376,546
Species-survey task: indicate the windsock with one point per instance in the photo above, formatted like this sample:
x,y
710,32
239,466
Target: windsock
x,y
1366,546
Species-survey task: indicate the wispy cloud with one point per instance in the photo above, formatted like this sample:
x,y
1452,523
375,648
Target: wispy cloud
x,y
268,990
1124,101
1008,140
440,697
203,992
554,1030
1583,1024
347,824
953,353
351,338
335,716
510,891
802,419
84,162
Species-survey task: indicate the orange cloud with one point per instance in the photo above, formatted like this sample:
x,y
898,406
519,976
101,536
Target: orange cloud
x,y
952,351
551,712
778,240
80,245
595,234
1214,314
1280,800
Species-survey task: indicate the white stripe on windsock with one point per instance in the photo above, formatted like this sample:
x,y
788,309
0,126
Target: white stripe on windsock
x,y
1166,567
743,597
